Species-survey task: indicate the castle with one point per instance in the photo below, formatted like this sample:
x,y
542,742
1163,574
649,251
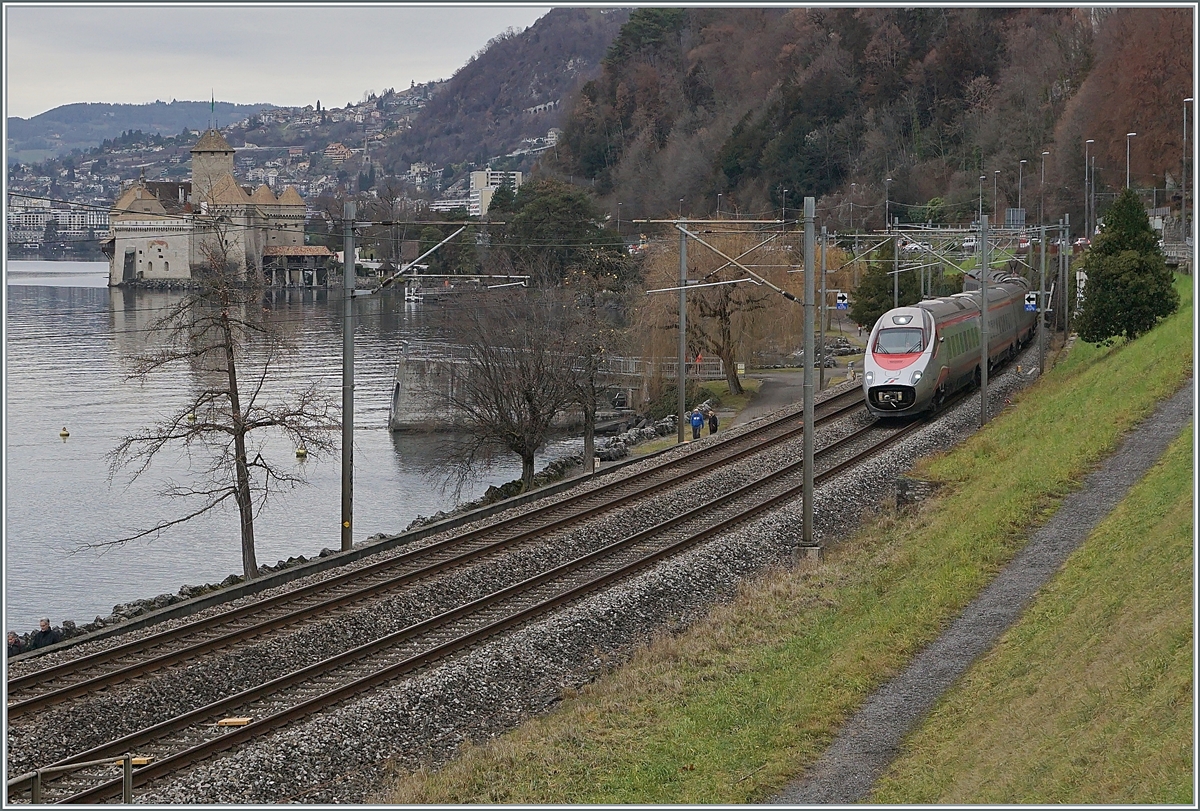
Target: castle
x,y
162,232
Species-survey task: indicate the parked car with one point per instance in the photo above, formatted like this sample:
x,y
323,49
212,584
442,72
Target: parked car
x,y
1082,244
970,244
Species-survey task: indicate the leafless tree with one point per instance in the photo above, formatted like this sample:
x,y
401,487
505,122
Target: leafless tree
x,y
516,381
590,286
222,331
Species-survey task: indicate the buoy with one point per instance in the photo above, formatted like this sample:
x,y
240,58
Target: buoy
x,y
302,452
64,433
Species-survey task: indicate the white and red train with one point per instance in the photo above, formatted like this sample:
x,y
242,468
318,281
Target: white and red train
x,y
918,356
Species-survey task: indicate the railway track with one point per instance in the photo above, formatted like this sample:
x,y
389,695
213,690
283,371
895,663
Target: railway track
x,y
38,690
194,736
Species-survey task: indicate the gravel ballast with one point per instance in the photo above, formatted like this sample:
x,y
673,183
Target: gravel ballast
x,y
339,756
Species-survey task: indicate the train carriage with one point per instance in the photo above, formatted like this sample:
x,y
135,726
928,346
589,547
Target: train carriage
x,y
918,356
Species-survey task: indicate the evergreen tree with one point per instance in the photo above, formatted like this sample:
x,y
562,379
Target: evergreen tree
x,y
502,199
1129,287
874,295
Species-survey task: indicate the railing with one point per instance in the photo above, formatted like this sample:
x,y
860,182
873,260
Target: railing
x,y
33,780
1178,252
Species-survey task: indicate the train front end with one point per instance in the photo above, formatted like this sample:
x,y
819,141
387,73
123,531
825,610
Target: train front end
x,y
896,367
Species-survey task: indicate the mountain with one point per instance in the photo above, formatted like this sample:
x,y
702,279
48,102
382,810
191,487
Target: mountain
x,y
82,126
747,103
515,88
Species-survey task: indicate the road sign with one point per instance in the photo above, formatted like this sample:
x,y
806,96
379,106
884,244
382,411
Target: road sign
x,y
1030,302
843,301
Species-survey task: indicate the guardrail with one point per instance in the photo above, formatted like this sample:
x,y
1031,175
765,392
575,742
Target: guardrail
x,y
33,780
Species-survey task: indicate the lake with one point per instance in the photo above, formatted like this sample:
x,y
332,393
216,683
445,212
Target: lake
x,y
68,340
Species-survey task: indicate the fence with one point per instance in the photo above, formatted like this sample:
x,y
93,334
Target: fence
x,y
33,780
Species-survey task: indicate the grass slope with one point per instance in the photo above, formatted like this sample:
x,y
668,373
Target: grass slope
x,y
1088,699
734,708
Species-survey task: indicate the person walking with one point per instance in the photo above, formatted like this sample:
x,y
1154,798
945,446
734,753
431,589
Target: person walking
x,y
712,423
15,645
45,636
697,423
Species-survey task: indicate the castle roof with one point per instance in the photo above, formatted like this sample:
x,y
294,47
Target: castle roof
x,y
227,192
263,196
212,141
290,197
135,201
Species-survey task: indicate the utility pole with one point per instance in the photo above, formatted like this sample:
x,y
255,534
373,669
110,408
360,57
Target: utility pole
x,y
810,266
824,238
1040,310
983,323
895,271
681,375
1062,296
348,213
1183,178
1066,264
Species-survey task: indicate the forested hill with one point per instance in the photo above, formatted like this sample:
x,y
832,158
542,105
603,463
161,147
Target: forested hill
x,y
82,126
746,103
493,101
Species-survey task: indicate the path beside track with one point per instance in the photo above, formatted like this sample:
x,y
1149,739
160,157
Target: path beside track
x,y
871,739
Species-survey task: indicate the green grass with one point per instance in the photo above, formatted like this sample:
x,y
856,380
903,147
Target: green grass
x,y
734,708
719,390
1088,698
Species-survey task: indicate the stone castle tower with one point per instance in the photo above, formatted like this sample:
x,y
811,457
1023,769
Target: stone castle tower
x,y
212,159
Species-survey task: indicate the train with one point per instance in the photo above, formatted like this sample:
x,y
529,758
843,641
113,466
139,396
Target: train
x,y
918,356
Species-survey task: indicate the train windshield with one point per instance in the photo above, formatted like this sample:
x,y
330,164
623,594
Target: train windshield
x,y
898,341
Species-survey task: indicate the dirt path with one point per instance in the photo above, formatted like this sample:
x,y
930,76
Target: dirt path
x,y
871,739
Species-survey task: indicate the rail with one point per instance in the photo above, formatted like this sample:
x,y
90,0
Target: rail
x,y
470,624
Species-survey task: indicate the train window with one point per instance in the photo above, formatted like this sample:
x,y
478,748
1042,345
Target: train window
x,y
898,341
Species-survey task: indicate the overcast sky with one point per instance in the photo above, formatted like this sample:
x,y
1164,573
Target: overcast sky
x,y
289,55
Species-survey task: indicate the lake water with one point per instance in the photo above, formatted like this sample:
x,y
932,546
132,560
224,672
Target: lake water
x,y
68,338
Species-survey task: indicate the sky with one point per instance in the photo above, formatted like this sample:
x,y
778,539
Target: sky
x,y
283,54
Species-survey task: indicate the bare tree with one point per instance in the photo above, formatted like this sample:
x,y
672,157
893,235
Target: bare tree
x,y
517,378
599,279
222,331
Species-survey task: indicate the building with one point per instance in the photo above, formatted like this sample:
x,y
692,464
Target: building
x,y
164,232
338,152
483,187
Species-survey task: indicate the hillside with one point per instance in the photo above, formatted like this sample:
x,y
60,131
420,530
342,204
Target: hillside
x,y
693,103
82,126
487,107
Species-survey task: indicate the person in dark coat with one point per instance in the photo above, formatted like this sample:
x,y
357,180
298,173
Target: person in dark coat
x,y
712,422
15,645
45,636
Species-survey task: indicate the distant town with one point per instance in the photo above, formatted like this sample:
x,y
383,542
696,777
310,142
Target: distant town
x,y
61,206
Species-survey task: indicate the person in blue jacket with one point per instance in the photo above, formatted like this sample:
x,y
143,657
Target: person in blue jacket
x,y
697,423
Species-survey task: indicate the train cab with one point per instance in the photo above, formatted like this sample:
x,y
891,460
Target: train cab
x,y
901,345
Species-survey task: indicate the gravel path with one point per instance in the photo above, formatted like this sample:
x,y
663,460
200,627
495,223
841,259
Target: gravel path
x,y
871,739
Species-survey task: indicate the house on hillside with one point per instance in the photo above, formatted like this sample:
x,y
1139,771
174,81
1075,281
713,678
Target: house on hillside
x,y
338,152
161,233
